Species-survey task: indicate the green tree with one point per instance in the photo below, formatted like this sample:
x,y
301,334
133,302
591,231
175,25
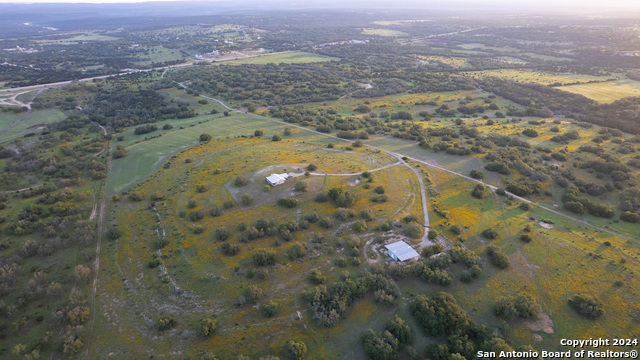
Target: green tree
x,y
297,350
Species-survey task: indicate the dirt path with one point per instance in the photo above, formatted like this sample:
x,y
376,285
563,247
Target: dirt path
x,y
20,190
96,265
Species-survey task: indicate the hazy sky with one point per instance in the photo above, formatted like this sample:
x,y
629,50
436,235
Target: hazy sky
x,y
577,5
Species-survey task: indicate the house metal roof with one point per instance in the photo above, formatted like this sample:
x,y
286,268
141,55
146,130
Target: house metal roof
x,y
276,178
402,250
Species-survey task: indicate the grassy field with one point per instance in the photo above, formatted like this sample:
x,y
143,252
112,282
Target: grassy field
x,y
606,92
15,126
192,263
82,36
158,54
384,32
148,156
530,76
287,58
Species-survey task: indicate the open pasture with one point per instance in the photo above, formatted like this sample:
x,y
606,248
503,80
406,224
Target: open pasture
x,y
606,92
147,156
287,58
191,262
384,32
531,76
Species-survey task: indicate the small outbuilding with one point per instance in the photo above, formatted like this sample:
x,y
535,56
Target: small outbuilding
x,y
401,251
277,179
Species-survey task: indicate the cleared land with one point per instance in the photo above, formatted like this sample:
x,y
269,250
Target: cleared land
x,y
384,32
606,92
287,58
147,156
192,267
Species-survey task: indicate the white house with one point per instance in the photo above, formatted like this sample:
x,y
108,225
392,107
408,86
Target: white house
x,y
400,251
277,179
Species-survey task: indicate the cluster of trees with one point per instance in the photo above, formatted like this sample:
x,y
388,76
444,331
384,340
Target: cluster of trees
x,y
328,304
522,305
434,269
577,203
440,315
587,305
120,107
386,345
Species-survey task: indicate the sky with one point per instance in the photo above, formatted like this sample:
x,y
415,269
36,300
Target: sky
x,y
577,5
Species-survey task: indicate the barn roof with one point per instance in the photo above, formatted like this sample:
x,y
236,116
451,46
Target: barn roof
x,y
402,250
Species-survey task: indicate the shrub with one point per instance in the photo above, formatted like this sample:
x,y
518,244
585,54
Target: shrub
x,y
120,152
228,204
207,327
525,206
296,350
288,202
630,217
263,257
498,258
159,243
311,217
216,211
379,190
241,181
252,294
205,137
196,215
413,230
202,188
166,323
359,226
526,238
192,204
153,263
400,330
276,138
296,251
169,126
229,249
198,229
379,198
221,234
455,229
136,196
301,186
522,306
358,143
478,192
114,233
490,233
246,199
316,277
432,234
312,167
258,133
587,305
432,250
478,175
269,309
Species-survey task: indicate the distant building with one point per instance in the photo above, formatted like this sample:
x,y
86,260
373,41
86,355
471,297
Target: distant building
x,y
400,251
277,179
